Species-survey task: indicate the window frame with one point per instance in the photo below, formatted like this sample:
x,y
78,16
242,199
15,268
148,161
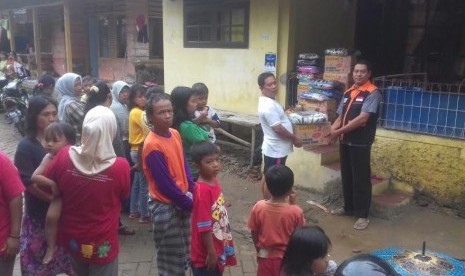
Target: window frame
x,y
216,6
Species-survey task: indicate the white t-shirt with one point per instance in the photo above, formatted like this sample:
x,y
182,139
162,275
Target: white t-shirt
x,y
271,114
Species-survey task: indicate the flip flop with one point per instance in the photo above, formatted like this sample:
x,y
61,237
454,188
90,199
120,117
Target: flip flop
x,y
361,224
144,220
340,212
124,230
134,215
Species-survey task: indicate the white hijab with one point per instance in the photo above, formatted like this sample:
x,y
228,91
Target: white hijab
x,y
65,86
120,110
96,152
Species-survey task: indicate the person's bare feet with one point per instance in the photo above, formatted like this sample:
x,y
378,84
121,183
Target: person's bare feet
x,y
49,254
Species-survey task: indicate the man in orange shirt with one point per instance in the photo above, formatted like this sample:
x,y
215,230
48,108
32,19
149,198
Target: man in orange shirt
x,y
356,128
170,186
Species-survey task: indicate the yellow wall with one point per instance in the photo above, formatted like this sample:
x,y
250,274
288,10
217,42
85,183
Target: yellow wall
x,y
309,174
430,164
230,74
285,27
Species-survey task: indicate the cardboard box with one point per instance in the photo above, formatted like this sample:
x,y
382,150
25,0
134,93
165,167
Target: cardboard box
x,y
343,78
338,64
328,107
313,135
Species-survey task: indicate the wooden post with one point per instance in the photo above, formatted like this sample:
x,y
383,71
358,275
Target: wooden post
x,y
35,22
11,31
69,53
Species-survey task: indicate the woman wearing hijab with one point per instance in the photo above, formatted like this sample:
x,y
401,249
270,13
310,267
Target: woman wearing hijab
x,y
92,182
70,109
120,93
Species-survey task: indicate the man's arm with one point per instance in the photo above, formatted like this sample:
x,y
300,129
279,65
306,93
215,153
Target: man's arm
x,y
359,121
285,134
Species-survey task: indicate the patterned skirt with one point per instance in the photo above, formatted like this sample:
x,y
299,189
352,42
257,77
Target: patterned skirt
x,y
32,250
172,236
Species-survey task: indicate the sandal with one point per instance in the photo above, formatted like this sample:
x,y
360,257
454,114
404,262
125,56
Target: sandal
x,y
340,212
361,224
134,215
144,220
124,230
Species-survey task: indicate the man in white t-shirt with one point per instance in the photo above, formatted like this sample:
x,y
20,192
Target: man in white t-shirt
x,y
278,136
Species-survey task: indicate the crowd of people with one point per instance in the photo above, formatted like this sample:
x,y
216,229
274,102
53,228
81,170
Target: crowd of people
x,y
78,160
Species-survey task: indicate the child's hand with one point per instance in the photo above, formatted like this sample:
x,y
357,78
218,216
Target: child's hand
x,y
55,191
292,197
211,262
137,167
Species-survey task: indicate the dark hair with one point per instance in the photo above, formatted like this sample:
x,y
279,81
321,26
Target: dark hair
x,y
154,98
363,61
200,89
97,95
180,96
35,107
44,82
59,129
279,180
365,264
136,89
202,149
90,79
262,77
306,244
154,90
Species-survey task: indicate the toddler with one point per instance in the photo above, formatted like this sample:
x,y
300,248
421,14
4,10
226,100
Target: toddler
x,y
57,136
205,116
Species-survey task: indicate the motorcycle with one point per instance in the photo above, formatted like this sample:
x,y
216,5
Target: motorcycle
x,y
14,100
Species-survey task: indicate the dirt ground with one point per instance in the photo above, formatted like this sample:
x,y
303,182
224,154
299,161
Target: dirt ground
x,y
441,228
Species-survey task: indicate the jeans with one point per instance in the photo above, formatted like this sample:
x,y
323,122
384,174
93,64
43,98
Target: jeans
x,y
139,192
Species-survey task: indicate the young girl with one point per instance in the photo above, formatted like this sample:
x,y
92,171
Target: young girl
x,y
57,136
184,106
137,133
307,253
44,86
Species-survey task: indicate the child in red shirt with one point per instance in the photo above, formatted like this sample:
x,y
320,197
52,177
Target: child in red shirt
x,y
57,136
212,246
272,221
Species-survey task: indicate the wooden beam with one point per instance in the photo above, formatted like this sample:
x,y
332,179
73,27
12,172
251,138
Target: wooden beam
x,y
37,48
11,31
67,22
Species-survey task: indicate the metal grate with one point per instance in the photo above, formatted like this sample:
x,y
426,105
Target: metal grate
x,y
412,104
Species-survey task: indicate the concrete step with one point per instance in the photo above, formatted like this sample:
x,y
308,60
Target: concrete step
x,y
379,185
389,204
333,166
328,154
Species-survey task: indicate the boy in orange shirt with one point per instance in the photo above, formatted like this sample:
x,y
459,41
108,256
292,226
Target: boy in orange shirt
x,y
272,221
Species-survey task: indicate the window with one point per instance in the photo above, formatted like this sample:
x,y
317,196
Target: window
x,y
216,24
112,36
104,48
156,37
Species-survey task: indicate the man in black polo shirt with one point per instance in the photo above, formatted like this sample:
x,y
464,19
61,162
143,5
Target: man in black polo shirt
x,y
356,128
